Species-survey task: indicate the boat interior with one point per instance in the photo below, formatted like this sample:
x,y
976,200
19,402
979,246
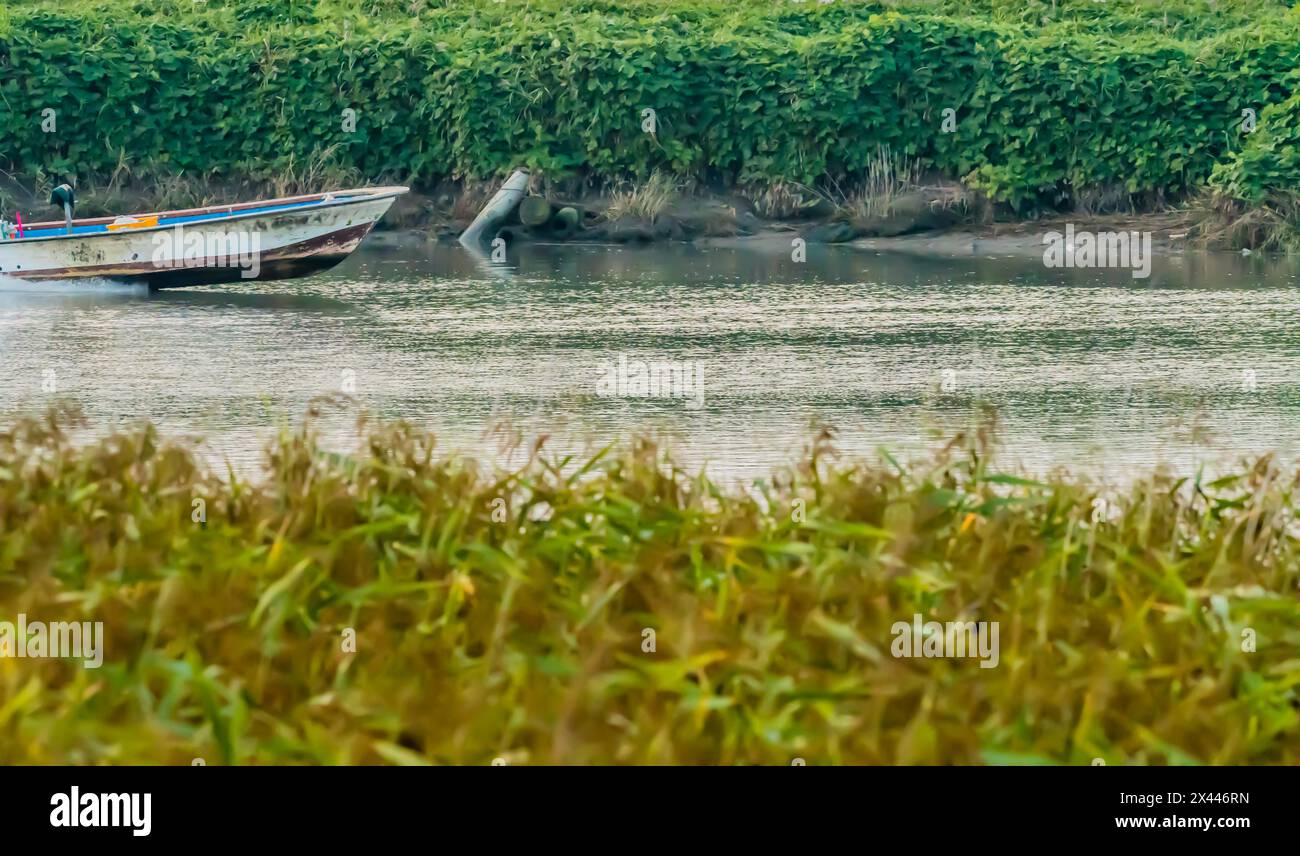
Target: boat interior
x,y
59,229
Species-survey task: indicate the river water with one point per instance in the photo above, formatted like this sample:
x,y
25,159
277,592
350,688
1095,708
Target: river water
x,y
1092,370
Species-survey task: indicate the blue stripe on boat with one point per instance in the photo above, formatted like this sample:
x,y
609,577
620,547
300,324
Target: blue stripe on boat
x,y
193,218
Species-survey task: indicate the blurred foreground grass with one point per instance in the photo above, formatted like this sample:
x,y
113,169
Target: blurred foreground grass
x,y
505,614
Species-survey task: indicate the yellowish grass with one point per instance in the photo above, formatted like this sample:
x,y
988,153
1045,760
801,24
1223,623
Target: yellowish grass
x,y
509,614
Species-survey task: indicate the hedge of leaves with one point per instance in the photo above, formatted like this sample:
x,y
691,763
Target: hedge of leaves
x,y
1269,164
740,91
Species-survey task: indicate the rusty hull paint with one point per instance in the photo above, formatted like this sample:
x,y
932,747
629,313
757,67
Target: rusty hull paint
x,y
315,255
301,259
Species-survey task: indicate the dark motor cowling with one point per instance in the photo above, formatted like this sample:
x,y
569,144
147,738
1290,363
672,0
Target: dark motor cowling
x,y
64,197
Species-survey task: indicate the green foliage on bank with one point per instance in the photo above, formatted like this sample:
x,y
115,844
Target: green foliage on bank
x,y
1050,99
400,605
1257,188
1268,165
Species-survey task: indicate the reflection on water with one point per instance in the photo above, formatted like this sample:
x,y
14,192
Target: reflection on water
x,y
1088,369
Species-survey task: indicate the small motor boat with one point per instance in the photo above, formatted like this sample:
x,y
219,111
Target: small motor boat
x,y
275,239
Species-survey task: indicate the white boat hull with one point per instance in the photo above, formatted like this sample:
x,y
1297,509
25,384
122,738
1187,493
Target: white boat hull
x,y
297,237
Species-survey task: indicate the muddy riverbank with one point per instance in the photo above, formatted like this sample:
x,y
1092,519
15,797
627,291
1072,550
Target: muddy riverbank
x,y
941,220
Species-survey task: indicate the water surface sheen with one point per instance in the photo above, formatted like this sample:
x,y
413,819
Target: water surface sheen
x,y
1087,369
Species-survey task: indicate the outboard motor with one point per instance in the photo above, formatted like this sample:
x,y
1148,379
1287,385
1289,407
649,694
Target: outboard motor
x,y
66,197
